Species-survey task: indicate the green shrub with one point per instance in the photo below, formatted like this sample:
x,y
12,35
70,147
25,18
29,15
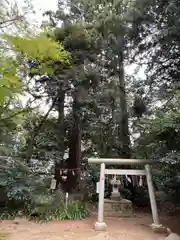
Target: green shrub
x,y
20,183
49,208
21,186
8,214
28,194
72,211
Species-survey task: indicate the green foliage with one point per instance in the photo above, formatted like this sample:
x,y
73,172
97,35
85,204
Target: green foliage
x,y
27,194
12,19
75,37
11,117
40,49
10,82
71,211
162,131
20,182
49,210
9,214
160,140
46,145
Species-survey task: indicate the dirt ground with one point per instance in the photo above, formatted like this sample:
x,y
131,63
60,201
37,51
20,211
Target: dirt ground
x,y
136,228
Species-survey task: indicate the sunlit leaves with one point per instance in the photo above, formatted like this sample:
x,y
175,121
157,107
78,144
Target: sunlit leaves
x,y
40,49
9,80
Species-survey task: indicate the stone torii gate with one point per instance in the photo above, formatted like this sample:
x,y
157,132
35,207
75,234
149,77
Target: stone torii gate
x,y
100,224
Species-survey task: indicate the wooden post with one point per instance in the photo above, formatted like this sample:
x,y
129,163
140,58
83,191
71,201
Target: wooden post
x,y
100,225
155,215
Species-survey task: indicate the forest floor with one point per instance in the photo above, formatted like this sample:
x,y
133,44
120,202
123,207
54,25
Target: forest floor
x,y
136,228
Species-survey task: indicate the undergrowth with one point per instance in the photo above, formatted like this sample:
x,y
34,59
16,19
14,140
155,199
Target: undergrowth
x,y
26,194
72,211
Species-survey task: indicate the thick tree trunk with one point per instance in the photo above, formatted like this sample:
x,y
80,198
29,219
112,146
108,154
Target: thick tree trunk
x,y
74,149
124,135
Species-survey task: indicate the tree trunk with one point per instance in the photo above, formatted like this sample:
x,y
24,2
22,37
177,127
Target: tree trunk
x,y
60,135
74,149
124,135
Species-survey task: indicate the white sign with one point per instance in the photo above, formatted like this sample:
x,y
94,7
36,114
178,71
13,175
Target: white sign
x,y
53,184
97,187
67,195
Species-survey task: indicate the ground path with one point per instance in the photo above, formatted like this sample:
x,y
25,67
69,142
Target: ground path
x,y
135,228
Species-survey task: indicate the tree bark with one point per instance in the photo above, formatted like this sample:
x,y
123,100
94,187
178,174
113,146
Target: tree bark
x,y
60,134
74,149
124,135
